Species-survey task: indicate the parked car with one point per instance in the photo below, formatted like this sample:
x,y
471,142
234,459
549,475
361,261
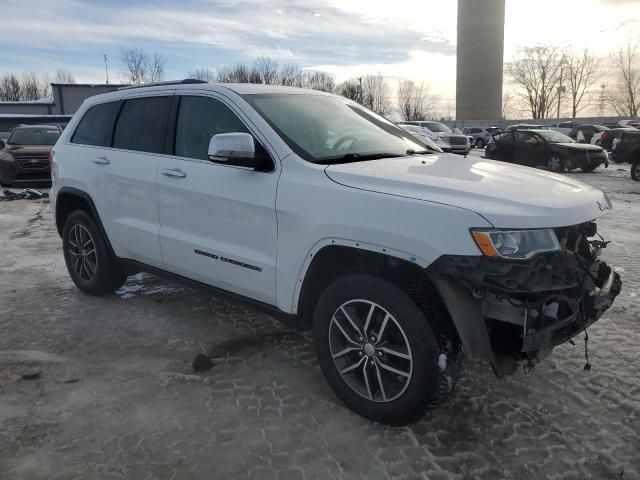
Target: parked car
x,y
24,156
527,126
564,127
607,137
554,150
635,169
626,147
583,133
480,135
424,135
630,123
459,143
396,258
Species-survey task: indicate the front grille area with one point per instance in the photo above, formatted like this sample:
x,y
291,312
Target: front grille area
x,y
33,163
458,140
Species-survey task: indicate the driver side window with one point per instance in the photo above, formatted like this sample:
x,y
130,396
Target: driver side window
x,y
200,118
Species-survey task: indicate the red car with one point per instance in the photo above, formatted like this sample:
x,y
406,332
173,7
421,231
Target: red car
x,y
24,157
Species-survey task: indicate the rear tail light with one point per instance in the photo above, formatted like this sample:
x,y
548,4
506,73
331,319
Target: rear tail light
x,y
51,158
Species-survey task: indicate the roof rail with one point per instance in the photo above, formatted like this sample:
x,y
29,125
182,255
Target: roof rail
x,y
162,84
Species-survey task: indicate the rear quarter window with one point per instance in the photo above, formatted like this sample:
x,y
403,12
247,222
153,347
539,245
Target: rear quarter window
x,y
96,126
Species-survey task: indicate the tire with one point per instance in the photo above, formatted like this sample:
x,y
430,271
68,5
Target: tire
x,y
421,380
635,170
556,163
480,143
89,262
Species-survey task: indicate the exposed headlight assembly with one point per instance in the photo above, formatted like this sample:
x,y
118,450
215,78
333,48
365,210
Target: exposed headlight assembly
x,y
515,244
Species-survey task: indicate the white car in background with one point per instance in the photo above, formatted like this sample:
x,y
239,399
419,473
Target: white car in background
x,y
442,135
427,137
564,127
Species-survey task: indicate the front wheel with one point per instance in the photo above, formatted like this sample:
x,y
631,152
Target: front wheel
x,y
556,163
480,143
89,262
635,170
382,355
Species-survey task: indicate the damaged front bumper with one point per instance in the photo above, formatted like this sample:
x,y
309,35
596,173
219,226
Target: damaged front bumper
x,y
510,311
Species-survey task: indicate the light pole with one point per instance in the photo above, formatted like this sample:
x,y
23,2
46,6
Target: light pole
x,y
106,68
561,88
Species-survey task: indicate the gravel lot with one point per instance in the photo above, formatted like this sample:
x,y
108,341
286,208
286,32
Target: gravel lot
x,y
117,397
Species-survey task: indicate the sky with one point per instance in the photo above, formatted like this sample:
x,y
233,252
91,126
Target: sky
x,y
400,38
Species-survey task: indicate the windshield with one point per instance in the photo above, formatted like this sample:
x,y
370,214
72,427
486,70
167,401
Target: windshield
x,y
437,127
555,137
321,128
33,136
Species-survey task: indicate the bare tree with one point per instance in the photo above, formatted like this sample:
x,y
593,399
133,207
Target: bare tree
x,y
238,74
624,96
30,87
582,71
10,88
376,94
416,102
140,68
350,89
202,74
537,75
319,81
63,76
291,75
268,69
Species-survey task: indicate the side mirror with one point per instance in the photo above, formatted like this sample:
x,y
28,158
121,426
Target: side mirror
x,y
237,148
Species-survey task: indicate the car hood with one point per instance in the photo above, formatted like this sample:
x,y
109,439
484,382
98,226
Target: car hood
x,y
507,196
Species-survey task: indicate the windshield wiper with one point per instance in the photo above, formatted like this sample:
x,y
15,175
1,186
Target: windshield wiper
x,y
358,157
419,152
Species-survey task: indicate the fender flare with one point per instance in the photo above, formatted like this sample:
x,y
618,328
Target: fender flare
x,y
343,242
92,206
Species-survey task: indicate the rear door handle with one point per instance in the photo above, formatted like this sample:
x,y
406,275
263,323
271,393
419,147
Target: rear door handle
x,y
173,172
101,160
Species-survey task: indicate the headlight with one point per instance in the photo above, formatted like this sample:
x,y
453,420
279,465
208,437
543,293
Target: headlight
x,y
515,244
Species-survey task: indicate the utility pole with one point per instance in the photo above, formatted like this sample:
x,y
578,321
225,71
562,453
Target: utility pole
x,y
561,89
360,90
602,89
106,67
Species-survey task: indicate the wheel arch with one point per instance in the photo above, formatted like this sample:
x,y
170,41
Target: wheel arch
x,y
330,261
70,199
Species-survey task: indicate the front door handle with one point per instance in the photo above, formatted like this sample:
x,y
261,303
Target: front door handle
x,y
173,172
101,160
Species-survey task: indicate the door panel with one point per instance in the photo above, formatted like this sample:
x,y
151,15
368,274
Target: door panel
x,y
217,222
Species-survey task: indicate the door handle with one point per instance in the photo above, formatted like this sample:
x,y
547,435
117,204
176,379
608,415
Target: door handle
x,y
101,160
173,172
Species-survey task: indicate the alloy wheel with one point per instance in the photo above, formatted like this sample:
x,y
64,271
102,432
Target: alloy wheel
x,y
82,251
555,164
370,350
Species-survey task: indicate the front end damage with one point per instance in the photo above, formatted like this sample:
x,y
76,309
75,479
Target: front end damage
x,y
515,311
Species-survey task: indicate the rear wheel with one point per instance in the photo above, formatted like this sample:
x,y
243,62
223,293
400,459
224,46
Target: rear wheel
x,y
382,355
90,265
635,170
480,143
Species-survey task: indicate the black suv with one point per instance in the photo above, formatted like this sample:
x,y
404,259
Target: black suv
x,y
626,147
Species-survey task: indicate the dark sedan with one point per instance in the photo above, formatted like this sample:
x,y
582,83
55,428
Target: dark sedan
x,y
626,148
24,157
548,148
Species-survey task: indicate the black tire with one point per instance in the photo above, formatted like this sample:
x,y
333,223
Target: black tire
x,y
100,273
480,143
635,170
435,356
556,163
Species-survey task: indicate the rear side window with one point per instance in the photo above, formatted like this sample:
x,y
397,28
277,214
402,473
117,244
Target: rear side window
x,y
199,119
502,137
142,125
96,126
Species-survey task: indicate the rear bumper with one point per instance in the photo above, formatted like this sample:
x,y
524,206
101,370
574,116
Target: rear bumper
x,y
509,312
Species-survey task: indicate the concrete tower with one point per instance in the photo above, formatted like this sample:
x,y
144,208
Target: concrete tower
x,y
480,59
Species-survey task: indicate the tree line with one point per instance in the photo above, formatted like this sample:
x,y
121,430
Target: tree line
x,y
30,86
544,78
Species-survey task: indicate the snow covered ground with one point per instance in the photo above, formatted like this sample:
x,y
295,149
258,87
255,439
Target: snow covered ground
x,y
117,398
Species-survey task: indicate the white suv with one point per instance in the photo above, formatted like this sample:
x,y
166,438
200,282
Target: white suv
x,y
309,205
